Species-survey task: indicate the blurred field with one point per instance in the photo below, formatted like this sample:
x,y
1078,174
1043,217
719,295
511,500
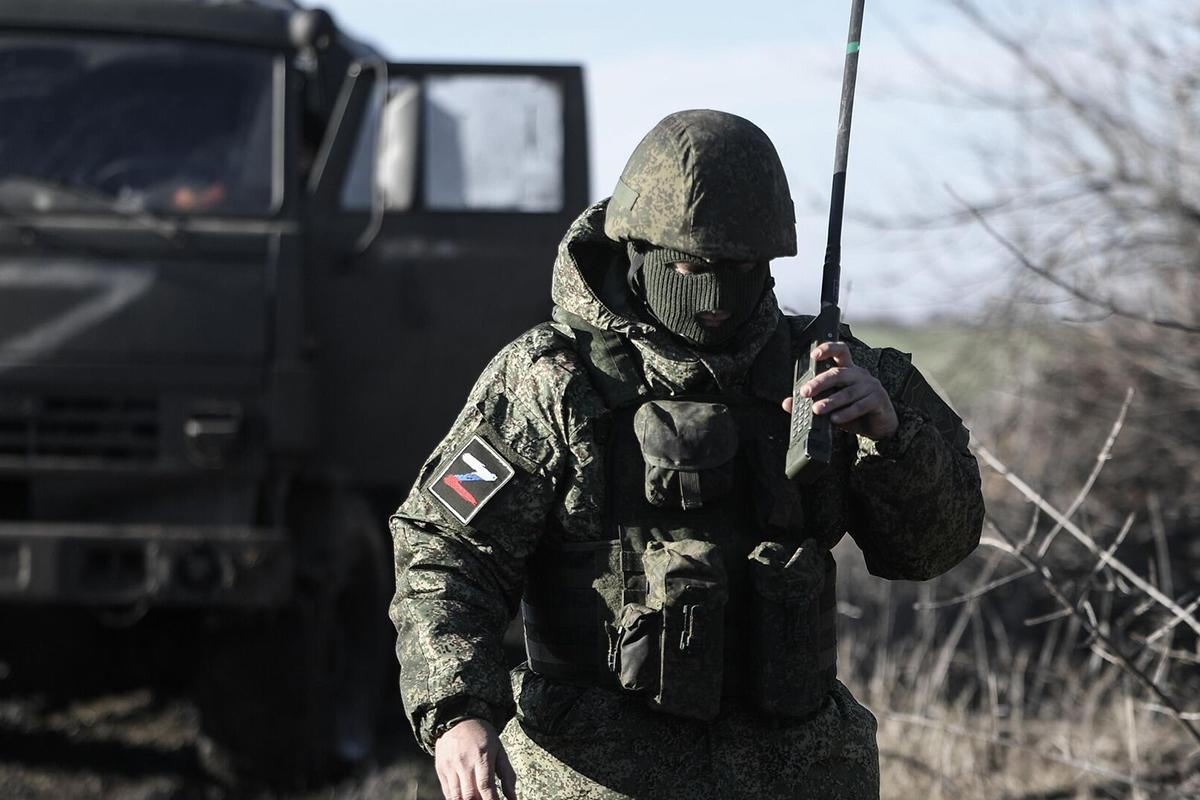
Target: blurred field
x,y
971,365
139,746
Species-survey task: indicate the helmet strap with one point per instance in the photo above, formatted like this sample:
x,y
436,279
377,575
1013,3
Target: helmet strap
x,y
637,257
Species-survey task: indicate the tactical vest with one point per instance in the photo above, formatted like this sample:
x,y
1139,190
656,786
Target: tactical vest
x,y
707,586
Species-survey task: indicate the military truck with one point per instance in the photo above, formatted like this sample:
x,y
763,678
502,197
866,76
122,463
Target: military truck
x,y
248,271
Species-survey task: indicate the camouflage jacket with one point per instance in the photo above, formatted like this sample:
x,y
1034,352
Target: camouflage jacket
x,y
912,503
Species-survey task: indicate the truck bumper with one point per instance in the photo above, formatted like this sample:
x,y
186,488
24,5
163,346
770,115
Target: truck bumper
x,y
116,565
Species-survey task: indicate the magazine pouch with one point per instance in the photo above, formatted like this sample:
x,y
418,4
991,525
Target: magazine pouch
x,y
792,639
671,647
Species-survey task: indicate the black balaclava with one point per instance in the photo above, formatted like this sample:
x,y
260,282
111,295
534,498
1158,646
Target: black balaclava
x,y
674,298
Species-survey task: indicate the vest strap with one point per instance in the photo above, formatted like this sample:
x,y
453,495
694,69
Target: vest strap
x,y
609,358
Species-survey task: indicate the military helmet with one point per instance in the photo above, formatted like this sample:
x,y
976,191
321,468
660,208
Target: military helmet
x,y
709,184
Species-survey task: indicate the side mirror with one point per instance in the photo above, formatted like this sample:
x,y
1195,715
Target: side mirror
x,y
394,182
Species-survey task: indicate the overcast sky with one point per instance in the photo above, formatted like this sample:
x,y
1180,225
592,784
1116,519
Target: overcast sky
x,y
778,63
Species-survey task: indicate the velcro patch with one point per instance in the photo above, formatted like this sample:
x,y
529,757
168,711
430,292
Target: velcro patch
x,y
470,479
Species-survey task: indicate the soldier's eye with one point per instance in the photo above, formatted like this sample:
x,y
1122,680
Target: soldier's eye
x,y
690,267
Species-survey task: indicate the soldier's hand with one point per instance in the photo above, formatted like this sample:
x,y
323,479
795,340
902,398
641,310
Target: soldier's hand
x,y
858,403
469,758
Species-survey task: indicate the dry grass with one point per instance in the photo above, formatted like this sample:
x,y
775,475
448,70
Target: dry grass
x,y
962,714
1101,748
1088,699
966,713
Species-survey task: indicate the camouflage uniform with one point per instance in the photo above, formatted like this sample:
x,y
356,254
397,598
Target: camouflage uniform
x,y
911,502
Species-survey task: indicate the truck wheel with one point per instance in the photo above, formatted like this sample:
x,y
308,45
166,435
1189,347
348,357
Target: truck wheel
x,y
296,700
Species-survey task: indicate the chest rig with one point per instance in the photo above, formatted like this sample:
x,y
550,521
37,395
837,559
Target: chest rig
x,y
707,585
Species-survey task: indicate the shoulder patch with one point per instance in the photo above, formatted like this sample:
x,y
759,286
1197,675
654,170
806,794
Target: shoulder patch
x,y
471,478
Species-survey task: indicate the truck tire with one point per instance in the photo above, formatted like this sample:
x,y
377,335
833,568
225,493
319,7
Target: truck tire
x,y
296,700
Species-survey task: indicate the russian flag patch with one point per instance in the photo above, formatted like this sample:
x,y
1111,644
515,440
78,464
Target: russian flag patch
x,y
470,479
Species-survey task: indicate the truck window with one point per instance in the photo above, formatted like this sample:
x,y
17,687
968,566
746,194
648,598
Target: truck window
x,y
486,143
174,126
494,142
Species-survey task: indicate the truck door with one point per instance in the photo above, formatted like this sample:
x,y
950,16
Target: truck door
x,y
461,183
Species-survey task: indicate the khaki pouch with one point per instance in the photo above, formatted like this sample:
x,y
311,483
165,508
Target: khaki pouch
x,y
689,450
672,647
788,673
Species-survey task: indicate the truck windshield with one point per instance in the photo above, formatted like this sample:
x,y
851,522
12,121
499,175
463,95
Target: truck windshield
x,y
134,125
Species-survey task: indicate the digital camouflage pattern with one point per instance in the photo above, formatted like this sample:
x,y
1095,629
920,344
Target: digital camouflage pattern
x,y
912,503
573,743
709,184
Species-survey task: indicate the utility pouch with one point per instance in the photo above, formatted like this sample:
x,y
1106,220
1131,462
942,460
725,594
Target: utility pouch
x,y
689,450
672,647
635,658
686,581
793,612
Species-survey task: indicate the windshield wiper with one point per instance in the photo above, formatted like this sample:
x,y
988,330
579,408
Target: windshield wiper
x,y
10,219
165,228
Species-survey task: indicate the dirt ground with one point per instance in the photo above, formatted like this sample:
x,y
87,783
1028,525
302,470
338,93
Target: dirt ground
x,y
139,746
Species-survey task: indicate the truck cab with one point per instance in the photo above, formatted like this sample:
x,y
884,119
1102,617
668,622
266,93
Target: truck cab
x,y
249,269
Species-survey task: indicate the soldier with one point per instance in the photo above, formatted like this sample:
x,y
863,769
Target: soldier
x,y
617,475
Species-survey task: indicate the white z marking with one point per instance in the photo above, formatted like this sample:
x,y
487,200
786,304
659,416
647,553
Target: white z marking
x,y
480,470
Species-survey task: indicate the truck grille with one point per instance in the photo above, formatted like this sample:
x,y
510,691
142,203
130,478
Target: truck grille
x,y
84,430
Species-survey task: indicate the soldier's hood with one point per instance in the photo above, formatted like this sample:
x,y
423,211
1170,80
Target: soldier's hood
x,y
589,283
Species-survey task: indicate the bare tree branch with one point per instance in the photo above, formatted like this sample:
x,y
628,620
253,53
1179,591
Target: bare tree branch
x,y
974,594
1100,121
1118,566
1107,304
1101,459
1170,626
1089,622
